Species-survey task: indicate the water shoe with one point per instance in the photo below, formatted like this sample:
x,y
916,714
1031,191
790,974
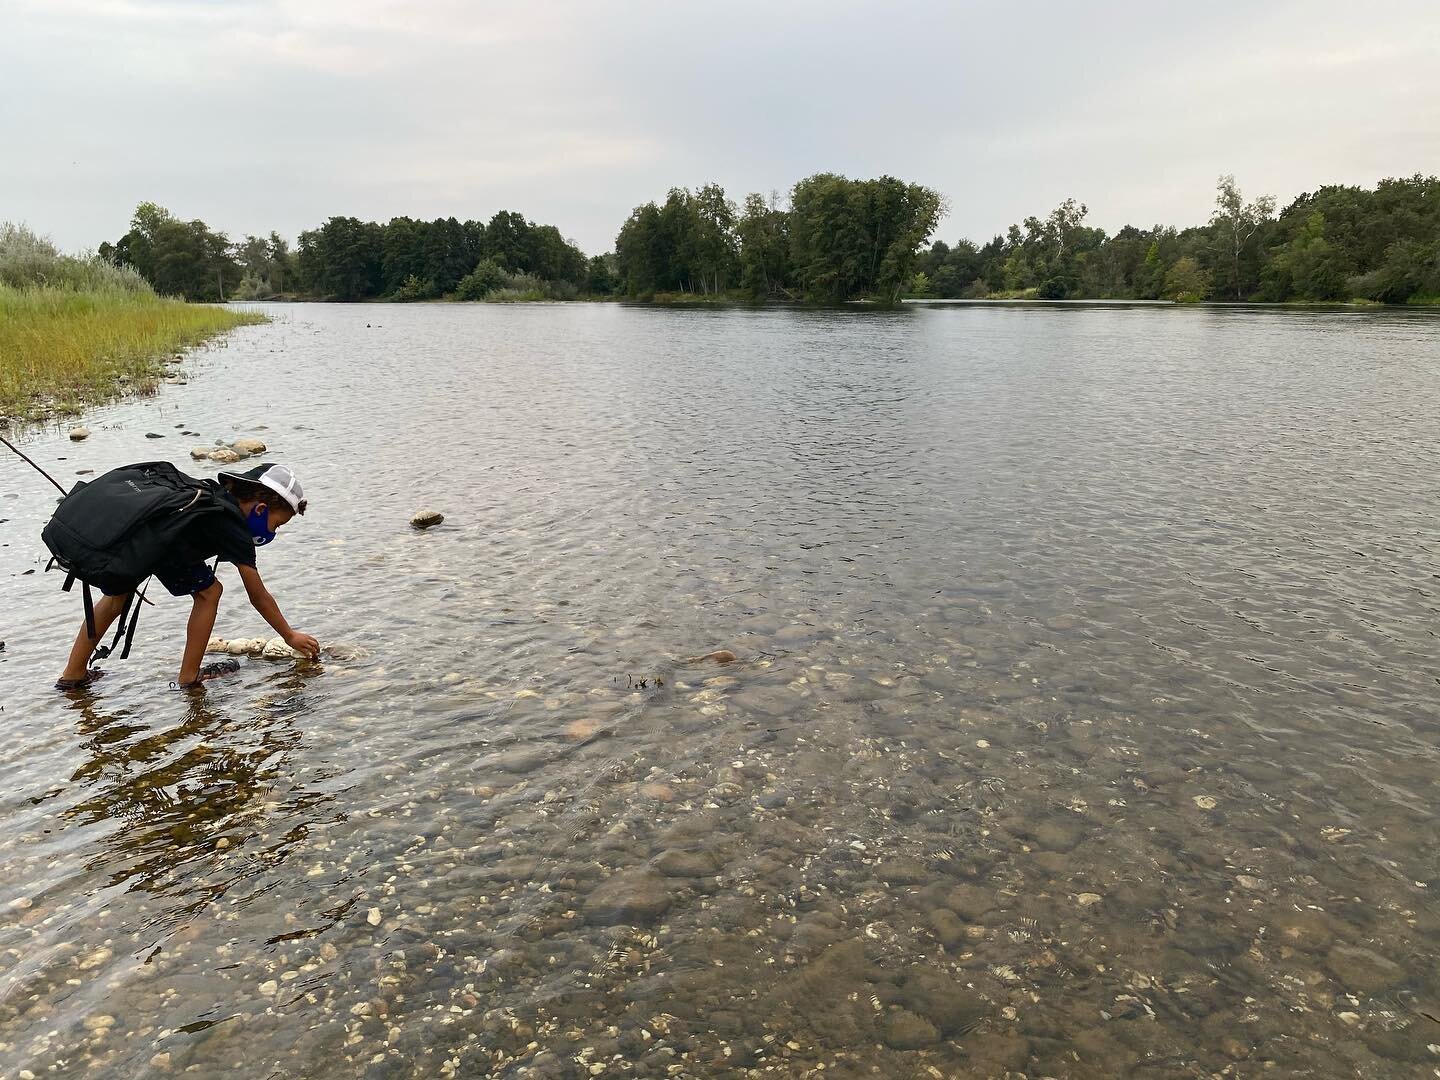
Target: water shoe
x,y
208,672
79,684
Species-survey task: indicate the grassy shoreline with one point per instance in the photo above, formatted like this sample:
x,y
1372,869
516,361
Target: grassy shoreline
x,y
62,350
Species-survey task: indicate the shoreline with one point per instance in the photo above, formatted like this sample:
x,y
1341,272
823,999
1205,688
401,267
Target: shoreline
x,y
700,301
63,352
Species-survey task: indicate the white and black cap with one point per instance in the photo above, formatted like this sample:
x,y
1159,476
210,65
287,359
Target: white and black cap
x,y
278,478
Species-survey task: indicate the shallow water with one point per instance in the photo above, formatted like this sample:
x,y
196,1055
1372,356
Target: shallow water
x,y
1083,722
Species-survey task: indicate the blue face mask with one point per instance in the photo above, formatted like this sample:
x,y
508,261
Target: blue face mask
x,y
259,522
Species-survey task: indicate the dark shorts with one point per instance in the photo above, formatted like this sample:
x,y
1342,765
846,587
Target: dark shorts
x,y
179,580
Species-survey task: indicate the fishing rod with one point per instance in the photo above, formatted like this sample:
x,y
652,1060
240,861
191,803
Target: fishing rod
x,y
24,457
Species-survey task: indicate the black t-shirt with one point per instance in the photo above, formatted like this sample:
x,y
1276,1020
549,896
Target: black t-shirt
x,y
225,534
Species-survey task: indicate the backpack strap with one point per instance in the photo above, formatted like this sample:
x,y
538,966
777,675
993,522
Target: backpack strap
x,y
134,621
89,603
103,651
89,607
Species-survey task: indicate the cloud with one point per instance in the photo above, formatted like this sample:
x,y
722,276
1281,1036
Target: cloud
x,y
261,114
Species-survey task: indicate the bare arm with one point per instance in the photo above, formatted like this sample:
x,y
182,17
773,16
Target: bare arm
x,y
264,603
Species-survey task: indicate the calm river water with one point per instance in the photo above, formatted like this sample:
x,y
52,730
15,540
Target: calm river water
x,y
1083,722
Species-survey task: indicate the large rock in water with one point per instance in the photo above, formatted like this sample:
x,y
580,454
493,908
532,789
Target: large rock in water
x,y
677,863
427,518
631,896
903,1030
200,453
1358,968
248,446
79,434
942,1000
225,456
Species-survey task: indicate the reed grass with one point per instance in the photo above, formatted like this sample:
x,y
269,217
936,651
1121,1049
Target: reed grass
x,y
62,349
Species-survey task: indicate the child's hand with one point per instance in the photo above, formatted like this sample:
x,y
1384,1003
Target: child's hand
x,y
303,643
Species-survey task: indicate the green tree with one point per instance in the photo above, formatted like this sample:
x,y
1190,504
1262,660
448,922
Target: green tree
x,y
716,247
1236,221
640,251
853,238
763,231
1186,281
1307,267
178,258
601,276
343,259
487,276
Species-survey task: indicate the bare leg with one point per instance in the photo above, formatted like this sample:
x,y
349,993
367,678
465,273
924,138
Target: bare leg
x,y
106,611
197,632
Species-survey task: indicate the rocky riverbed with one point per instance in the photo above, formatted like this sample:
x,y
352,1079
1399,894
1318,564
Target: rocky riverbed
x,y
743,742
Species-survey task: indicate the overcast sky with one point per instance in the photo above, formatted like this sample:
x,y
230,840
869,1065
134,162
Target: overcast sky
x,y
275,114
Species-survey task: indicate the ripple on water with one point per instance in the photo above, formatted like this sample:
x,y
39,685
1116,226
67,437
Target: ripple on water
x,y
1081,716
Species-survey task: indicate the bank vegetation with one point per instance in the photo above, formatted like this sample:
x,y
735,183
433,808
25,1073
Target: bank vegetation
x,y
75,330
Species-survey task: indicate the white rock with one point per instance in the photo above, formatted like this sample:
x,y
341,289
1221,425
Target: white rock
x,y
239,647
248,446
373,916
79,434
225,456
1204,802
276,649
200,453
270,987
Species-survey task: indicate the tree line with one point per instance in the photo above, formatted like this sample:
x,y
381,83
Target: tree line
x,y
1338,243
829,239
508,257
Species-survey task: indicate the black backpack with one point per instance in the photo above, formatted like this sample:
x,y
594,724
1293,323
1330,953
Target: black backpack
x,y
112,532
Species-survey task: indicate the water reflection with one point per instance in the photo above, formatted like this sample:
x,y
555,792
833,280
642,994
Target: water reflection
x,y
184,794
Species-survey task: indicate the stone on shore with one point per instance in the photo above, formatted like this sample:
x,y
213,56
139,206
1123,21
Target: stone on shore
x,y
79,434
426,519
